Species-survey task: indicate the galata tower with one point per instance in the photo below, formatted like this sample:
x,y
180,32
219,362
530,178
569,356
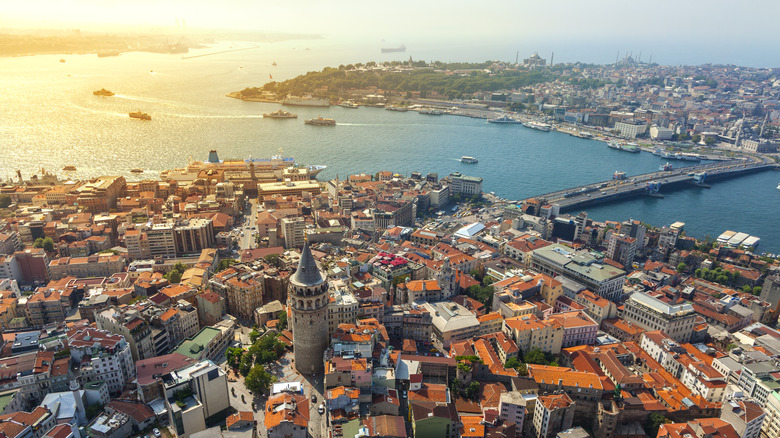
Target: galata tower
x,y
308,299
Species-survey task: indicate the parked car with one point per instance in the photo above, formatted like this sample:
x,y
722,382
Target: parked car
x,y
321,409
314,398
156,432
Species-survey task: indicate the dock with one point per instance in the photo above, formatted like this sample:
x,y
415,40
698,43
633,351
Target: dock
x,y
636,186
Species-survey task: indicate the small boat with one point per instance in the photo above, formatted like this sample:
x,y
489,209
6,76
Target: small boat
x,y
69,168
137,170
319,121
431,111
665,167
778,187
400,109
280,114
274,64
103,92
140,115
468,160
351,105
504,120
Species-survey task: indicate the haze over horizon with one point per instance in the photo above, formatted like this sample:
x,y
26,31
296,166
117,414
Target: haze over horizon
x,y
673,32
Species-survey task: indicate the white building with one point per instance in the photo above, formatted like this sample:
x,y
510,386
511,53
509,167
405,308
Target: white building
x,y
102,356
631,128
660,133
676,320
745,416
201,391
342,309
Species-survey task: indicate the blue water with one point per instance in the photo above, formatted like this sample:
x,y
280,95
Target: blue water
x,y
49,118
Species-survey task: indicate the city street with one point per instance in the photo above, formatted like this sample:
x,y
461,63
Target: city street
x,y
285,372
249,227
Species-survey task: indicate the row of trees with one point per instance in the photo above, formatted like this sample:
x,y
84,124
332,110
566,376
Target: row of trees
x,y
535,356
718,275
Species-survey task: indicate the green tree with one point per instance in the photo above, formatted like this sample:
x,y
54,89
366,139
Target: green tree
x,y
38,243
274,260
48,244
535,356
472,391
747,289
757,290
174,276
92,410
709,141
282,325
681,267
245,365
254,335
696,138
233,356
5,201
225,263
654,421
259,380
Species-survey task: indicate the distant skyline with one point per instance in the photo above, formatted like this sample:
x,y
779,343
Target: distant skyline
x,y
674,32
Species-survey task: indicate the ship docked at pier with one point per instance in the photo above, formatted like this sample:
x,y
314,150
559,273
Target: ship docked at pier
x,y
246,172
306,101
539,126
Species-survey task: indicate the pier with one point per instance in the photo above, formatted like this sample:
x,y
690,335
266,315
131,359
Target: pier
x,y
635,186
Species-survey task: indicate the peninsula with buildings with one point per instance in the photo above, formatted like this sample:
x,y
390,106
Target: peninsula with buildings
x,y
722,108
246,298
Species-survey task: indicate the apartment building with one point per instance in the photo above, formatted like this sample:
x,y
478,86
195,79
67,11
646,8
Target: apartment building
x,y
650,313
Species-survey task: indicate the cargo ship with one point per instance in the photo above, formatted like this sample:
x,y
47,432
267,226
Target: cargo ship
x,y
280,114
140,115
306,101
319,121
246,171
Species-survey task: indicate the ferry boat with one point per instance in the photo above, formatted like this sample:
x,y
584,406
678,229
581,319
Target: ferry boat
x,y
503,119
431,111
400,109
73,168
539,126
103,92
630,147
778,186
140,115
584,134
399,49
665,167
306,101
319,121
468,160
350,105
280,114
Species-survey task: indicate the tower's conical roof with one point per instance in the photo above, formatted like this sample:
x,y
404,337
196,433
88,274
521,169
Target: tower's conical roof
x,y
307,274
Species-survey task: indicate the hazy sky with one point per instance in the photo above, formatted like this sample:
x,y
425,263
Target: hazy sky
x,y
681,25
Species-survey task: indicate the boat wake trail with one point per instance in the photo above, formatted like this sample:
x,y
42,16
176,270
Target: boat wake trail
x,y
210,116
92,110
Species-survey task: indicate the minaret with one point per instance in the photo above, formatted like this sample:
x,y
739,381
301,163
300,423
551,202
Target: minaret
x,y
308,299
81,414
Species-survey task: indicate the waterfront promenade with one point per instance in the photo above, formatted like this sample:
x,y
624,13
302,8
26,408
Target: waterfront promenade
x,y
632,186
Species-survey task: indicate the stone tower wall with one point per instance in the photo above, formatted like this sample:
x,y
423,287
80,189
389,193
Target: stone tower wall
x,y
310,325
